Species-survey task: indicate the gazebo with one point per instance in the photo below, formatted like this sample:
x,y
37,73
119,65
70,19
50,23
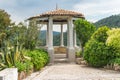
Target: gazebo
x,y
59,16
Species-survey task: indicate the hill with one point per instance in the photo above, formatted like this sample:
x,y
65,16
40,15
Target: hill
x,y
42,36
111,21
56,38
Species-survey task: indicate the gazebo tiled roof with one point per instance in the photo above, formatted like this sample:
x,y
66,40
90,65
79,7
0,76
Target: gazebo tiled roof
x,y
59,12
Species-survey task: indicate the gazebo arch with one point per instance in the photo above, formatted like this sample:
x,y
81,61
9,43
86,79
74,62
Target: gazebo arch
x,y
59,16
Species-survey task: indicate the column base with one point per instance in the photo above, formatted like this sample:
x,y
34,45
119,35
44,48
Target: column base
x,y
51,55
77,48
71,54
46,46
61,45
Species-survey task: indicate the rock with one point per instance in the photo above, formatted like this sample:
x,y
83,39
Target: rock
x,y
21,75
78,60
116,67
81,61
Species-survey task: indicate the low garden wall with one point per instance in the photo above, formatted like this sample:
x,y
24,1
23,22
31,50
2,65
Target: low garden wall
x,y
9,74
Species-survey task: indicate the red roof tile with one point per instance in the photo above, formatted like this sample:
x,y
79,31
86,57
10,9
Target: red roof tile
x,y
60,12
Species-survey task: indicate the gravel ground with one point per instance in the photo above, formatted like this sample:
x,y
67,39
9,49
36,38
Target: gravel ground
x,y
65,71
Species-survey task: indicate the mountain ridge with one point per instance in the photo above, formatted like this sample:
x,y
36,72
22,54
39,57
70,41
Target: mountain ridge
x,y
111,21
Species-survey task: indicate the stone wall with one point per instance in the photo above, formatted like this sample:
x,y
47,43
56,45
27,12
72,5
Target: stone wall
x,y
9,74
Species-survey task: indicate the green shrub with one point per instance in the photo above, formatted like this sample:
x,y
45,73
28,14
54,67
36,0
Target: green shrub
x,y
84,30
79,54
39,58
114,42
101,34
117,61
24,66
29,65
21,66
96,52
114,61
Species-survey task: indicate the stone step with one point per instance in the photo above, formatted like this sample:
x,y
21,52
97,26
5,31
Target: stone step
x,y
62,60
59,56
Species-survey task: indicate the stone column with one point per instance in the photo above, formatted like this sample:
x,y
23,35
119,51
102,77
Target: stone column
x,y
67,40
75,40
71,49
62,39
47,35
50,40
67,36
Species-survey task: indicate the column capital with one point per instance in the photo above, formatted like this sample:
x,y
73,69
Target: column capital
x,y
69,18
50,17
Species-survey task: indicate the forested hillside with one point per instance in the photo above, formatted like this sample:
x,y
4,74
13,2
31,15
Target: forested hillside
x,y
112,21
42,36
56,38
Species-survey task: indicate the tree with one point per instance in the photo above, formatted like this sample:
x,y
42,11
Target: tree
x,y
17,34
32,36
4,20
26,37
4,24
84,30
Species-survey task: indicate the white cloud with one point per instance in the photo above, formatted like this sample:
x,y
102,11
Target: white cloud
x,y
92,9
99,9
7,3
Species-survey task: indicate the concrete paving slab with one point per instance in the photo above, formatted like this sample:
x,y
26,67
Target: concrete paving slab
x,y
67,71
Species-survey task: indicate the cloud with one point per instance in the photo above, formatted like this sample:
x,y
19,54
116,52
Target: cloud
x,y
92,9
20,10
98,10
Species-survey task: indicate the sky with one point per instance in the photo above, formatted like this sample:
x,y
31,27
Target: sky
x,y
93,10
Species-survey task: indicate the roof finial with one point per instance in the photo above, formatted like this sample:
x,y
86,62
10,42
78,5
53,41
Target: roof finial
x,y
56,6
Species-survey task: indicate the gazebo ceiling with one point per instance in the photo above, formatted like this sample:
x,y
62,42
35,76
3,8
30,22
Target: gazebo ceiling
x,y
59,12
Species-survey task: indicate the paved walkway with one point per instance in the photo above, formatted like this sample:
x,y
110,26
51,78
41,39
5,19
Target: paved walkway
x,y
74,72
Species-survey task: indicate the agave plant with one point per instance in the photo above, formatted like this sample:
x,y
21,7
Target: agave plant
x,y
12,54
11,50
2,65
